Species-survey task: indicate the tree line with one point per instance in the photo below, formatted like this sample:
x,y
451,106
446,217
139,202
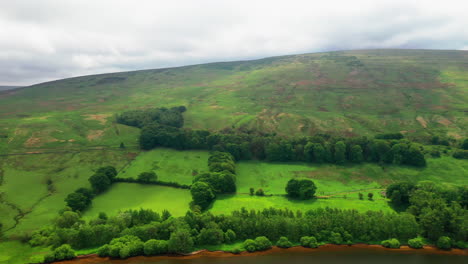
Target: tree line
x,y
321,148
127,233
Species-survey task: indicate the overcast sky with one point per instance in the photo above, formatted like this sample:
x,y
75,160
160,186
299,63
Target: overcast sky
x,y
43,40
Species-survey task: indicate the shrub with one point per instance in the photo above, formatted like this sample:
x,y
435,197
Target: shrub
x,y
309,241
336,238
415,243
263,243
444,242
260,192
155,247
230,236
236,251
391,243
64,252
283,242
250,245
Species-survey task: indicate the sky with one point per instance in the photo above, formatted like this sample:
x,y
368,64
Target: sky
x,y
42,40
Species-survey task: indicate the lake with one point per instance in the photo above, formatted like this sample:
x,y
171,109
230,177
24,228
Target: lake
x,y
328,255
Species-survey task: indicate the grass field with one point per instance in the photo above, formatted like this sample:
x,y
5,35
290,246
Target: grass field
x,y
227,203
14,252
25,186
168,164
124,196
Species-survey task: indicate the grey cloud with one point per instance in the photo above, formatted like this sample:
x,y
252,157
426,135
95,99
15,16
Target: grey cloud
x,y
49,39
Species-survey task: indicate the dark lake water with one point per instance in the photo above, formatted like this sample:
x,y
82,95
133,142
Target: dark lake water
x,y
355,256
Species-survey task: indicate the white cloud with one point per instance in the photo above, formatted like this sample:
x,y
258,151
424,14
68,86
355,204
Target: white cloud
x,y
49,39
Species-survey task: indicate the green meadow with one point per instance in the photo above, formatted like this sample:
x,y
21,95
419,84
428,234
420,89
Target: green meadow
x,y
123,196
168,164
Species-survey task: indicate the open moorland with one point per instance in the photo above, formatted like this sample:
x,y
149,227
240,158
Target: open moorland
x,y
54,136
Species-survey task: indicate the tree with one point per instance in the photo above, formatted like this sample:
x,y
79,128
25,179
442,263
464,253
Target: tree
x,y
202,194
464,145
283,242
415,157
147,177
67,219
361,196
370,196
303,189
399,193
100,182
444,242
211,235
356,155
180,241
230,236
252,191
340,152
260,192
77,201
109,171
155,247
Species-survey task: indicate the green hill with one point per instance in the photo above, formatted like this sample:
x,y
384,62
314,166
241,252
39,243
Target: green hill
x,y
417,92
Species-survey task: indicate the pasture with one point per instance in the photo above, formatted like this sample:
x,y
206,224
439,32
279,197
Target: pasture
x,y
170,165
123,196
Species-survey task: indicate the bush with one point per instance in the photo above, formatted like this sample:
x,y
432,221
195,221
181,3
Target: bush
x,y
444,242
415,243
229,236
336,238
236,251
64,252
309,241
283,242
302,189
391,243
147,177
250,245
263,243
155,247
460,154
260,192
122,247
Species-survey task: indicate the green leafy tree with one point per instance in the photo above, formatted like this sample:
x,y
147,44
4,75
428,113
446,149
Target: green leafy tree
x,y
252,191
77,201
109,171
361,196
180,241
303,189
202,194
340,152
370,196
230,236
100,182
260,192
155,247
147,177
356,154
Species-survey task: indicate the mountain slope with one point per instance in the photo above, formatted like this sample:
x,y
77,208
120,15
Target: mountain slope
x,y
418,92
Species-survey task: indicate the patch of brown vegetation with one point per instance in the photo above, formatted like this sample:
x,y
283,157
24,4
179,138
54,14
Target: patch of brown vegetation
x,y
216,107
102,118
454,135
421,121
94,134
33,142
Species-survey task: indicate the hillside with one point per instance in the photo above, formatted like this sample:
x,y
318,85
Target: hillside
x,y
417,92
55,135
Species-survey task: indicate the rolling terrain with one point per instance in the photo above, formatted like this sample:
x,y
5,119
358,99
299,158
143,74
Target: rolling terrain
x,y
54,135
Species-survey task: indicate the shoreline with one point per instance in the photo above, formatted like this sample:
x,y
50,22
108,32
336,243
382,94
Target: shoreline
x,y
429,250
